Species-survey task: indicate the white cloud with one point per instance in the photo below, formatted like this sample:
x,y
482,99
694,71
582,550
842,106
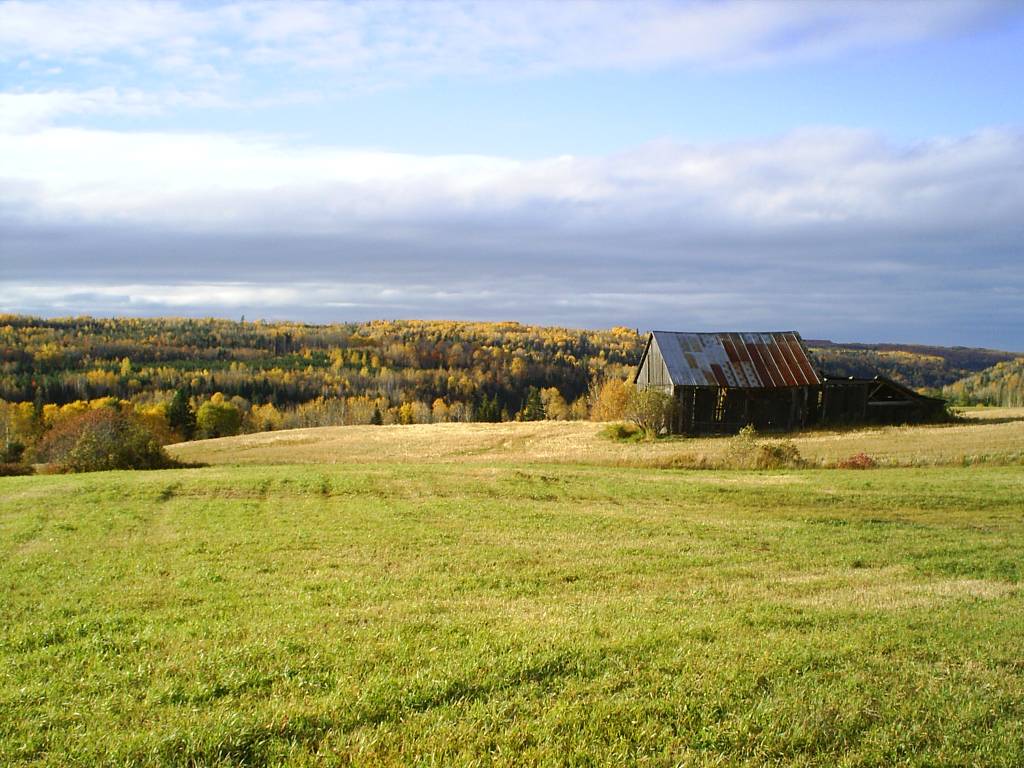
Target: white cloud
x,y
830,224
26,112
69,29
30,111
382,42
815,178
225,294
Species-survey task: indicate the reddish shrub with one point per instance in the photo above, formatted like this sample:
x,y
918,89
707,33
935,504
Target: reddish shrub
x,y
100,439
857,461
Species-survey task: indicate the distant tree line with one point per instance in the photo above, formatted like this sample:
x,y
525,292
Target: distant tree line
x,y
287,364
1002,384
206,378
195,378
917,366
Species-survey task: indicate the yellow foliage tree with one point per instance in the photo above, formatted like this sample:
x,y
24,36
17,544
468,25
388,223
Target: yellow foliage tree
x,y
406,414
155,419
609,400
439,411
555,406
264,418
580,409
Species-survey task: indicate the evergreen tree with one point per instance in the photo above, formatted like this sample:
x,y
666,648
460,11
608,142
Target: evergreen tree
x,y
180,416
533,409
376,418
489,409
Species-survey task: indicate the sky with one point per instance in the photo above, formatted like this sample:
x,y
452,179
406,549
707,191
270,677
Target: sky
x,y
850,170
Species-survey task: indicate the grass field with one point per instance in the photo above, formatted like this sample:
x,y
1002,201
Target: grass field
x,y
989,435
513,608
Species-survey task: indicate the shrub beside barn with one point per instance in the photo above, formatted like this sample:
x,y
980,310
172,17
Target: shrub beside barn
x,y
723,381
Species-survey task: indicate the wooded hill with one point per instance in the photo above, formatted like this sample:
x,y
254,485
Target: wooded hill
x,y
478,367
1002,384
915,365
471,370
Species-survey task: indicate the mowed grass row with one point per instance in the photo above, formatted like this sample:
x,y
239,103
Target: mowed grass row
x,y
508,615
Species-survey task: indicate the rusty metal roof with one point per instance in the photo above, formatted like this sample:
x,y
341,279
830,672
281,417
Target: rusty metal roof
x,y
744,360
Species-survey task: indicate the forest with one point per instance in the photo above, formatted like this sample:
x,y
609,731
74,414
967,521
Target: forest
x,y
1002,384
210,377
922,367
59,361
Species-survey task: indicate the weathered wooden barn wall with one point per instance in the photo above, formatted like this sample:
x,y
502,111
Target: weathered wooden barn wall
x,y
653,372
718,410
875,401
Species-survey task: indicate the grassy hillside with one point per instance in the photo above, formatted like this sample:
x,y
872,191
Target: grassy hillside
x,y
509,615
993,435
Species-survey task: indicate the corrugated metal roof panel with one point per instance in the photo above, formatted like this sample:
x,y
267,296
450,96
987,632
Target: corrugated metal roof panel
x,y
741,360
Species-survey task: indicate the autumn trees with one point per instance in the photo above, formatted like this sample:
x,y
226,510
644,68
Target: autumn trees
x,y
217,418
1002,384
101,439
290,364
187,378
608,398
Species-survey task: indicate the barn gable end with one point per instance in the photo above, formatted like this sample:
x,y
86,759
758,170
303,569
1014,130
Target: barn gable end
x,y
653,371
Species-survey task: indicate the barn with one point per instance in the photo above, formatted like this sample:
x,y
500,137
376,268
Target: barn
x,y
723,381
875,400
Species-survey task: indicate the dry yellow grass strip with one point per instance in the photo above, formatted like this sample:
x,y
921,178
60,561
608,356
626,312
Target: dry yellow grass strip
x,y
991,433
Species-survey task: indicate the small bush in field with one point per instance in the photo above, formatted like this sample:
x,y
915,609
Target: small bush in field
x,y
743,448
783,455
11,469
651,410
747,452
857,461
102,439
622,432
682,461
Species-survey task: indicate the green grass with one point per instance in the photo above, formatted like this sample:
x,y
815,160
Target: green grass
x,y
511,614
